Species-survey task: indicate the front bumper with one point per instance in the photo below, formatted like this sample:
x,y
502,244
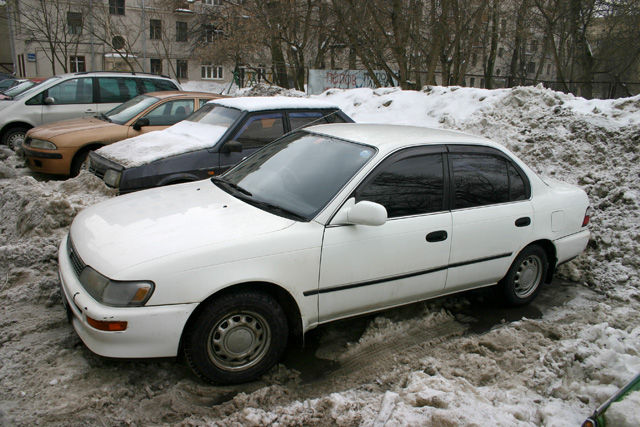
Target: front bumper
x,y
52,162
152,331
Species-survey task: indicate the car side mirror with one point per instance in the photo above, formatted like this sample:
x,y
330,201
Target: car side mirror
x,y
49,100
140,123
361,213
232,147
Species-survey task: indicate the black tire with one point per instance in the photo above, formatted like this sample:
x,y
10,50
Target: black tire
x,y
525,276
78,162
236,338
13,137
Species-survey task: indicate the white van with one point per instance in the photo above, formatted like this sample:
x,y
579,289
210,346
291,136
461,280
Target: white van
x,y
70,96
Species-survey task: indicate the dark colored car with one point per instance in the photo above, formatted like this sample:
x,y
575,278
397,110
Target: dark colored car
x,y
207,143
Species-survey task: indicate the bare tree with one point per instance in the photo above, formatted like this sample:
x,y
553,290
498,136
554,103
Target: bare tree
x,y
116,32
54,25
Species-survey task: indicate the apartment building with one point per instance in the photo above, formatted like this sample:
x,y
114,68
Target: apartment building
x,y
156,36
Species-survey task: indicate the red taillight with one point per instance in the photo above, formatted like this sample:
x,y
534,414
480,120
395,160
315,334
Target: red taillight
x,y
587,217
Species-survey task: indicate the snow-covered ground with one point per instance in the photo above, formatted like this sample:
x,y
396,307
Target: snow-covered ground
x,y
454,361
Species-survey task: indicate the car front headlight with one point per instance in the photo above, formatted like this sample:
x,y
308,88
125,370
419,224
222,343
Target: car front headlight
x,y
42,144
112,178
115,293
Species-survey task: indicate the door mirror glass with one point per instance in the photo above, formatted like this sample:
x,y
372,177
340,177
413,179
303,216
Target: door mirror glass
x,y
140,123
232,147
49,100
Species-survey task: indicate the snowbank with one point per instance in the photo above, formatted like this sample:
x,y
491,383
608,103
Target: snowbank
x,y
427,364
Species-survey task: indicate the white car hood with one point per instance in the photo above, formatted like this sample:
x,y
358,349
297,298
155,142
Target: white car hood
x,y
126,231
180,138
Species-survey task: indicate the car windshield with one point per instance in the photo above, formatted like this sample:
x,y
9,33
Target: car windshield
x,y
36,88
213,114
19,88
128,110
297,175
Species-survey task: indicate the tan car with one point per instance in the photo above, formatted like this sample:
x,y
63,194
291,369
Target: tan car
x,y
61,148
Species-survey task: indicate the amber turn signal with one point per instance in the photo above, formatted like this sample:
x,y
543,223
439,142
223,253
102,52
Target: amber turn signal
x,y
111,326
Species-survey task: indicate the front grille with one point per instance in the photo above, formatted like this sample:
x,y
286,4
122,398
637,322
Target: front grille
x,y
77,263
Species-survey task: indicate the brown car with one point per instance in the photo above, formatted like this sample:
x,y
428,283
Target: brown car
x,y
61,148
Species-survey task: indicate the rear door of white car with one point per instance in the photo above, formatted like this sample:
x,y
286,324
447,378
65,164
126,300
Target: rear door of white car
x,y
364,268
491,215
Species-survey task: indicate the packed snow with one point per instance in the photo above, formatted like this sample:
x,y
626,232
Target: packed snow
x,y
183,137
459,360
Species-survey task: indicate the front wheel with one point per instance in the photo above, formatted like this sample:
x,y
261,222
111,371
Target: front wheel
x,y
236,338
528,271
14,137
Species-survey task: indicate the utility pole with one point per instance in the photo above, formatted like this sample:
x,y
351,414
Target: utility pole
x,y
144,39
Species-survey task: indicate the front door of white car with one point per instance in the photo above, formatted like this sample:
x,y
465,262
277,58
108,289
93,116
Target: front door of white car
x,y
364,267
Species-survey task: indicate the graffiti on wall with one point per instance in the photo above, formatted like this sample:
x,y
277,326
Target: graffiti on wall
x,y
321,80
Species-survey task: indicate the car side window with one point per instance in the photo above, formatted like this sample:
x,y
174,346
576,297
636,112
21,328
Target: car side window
x,y
517,187
155,85
409,186
116,89
170,112
478,179
73,91
299,119
260,130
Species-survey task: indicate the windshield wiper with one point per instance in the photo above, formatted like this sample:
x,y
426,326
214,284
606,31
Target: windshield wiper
x,y
276,209
103,116
232,185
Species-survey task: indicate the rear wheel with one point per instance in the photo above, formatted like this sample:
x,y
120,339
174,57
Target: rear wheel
x,y
528,271
236,338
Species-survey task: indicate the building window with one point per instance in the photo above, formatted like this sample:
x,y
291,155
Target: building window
x,y
155,27
531,67
548,68
116,7
534,46
503,27
212,2
182,69
211,72
500,52
472,82
74,22
156,66
181,31
77,64
211,32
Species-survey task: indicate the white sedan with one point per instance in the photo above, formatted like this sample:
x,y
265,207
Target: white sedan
x,y
325,223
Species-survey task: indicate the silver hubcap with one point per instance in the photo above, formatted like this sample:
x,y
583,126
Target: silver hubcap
x,y
239,341
15,140
528,276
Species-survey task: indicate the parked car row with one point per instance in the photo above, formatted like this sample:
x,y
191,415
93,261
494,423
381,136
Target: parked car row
x,y
61,148
71,96
306,218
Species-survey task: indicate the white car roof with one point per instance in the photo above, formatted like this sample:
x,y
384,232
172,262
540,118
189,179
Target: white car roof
x,y
391,137
257,103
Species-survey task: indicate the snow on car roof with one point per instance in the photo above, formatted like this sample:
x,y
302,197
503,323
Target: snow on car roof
x,y
257,103
390,137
